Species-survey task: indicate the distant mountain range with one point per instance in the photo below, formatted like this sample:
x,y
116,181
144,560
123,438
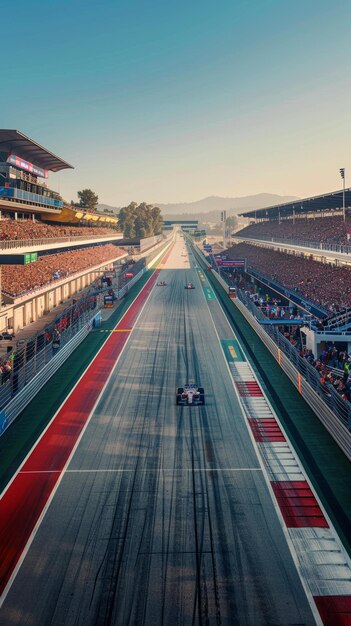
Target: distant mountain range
x,y
214,204
233,206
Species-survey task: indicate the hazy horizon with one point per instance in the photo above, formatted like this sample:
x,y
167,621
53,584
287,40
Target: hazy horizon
x,y
170,103
199,200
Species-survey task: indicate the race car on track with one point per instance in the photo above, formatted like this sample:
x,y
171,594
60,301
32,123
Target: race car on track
x,y
162,283
190,394
189,286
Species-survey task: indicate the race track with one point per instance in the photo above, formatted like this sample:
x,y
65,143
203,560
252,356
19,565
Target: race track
x,y
163,515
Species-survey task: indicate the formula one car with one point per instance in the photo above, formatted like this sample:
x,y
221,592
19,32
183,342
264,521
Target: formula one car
x,y
162,283
190,394
189,286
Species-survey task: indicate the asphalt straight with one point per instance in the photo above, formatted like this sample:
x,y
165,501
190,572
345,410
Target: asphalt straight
x,y
163,515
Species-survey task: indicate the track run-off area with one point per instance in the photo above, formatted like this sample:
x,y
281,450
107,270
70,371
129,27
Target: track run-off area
x,y
130,510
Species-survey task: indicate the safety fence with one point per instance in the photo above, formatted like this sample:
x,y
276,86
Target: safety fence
x,y
47,364
33,356
330,408
301,243
328,405
326,391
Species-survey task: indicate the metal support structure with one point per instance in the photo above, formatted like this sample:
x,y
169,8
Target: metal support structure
x,y
342,174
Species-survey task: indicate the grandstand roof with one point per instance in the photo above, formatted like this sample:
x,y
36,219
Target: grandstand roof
x,y
21,145
325,202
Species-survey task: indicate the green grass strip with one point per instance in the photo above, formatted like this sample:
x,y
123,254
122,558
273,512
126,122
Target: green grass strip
x,y
19,438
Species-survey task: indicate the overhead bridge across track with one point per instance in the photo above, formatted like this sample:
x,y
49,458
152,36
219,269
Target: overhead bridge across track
x,y
184,224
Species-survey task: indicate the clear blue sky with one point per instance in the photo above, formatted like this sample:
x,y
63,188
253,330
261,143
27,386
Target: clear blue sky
x,y
174,101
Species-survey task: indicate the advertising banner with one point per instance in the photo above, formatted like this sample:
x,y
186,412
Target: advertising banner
x,y
231,263
27,166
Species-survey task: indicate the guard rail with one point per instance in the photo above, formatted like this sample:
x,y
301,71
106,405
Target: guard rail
x,y
302,243
33,376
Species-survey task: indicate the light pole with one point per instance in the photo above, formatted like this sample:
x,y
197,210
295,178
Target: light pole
x,y
342,174
223,219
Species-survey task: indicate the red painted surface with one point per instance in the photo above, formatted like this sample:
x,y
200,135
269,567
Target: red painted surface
x,y
334,610
266,430
24,500
249,388
298,505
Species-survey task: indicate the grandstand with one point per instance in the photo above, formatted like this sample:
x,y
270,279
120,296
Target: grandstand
x,y
20,230
325,284
316,229
304,248
18,280
34,289
23,166
49,250
317,205
320,225
321,292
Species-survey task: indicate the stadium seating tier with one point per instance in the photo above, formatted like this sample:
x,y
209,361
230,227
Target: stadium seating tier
x,y
20,279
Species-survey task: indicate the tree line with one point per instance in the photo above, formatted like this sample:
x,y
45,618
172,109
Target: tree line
x,y
135,220
140,220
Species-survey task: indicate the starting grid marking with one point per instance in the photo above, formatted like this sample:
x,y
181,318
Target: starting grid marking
x,y
201,276
116,330
324,565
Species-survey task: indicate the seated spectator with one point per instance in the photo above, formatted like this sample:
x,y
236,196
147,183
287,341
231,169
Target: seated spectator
x,y
323,283
12,230
20,279
329,229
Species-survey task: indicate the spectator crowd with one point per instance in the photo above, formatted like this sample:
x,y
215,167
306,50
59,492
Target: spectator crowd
x,y
11,230
325,284
20,279
332,230
333,364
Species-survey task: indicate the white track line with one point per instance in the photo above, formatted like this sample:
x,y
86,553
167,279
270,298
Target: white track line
x,y
57,484
289,540
149,471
